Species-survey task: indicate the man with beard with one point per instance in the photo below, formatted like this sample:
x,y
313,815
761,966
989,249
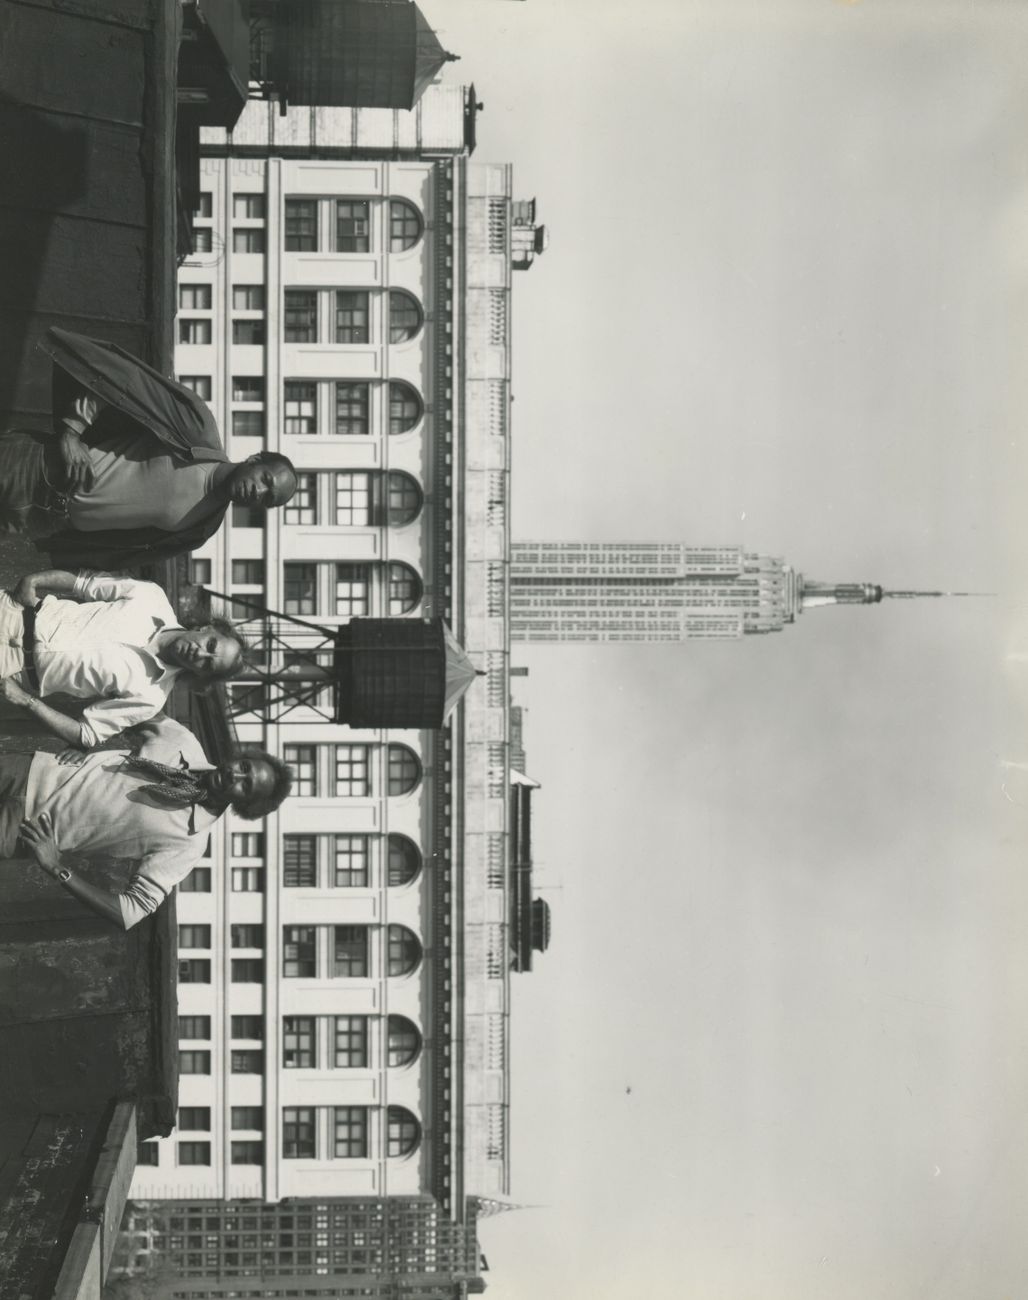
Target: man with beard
x,y
155,806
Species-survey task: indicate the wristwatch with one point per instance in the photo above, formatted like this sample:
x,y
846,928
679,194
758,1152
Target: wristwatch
x,y
63,875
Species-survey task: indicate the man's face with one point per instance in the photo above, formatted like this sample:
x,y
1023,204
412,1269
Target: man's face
x,y
207,653
256,484
243,780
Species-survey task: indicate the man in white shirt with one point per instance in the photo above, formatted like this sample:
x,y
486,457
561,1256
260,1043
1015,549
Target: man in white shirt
x,y
117,643
156,807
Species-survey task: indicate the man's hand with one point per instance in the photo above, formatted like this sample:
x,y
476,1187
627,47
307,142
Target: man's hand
x,y
72,757
38,834
78,468
14,693
26,592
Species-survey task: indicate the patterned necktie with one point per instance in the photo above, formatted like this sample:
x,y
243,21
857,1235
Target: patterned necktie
x,y
178,787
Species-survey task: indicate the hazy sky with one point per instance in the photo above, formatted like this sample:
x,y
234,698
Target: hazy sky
x,y
784,305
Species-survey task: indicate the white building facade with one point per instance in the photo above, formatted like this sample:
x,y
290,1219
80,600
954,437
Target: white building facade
x,y
345,965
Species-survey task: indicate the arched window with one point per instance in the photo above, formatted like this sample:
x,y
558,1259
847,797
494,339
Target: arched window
x,y
404,1131
405,316
404,950
405,407
403,860
405,588
404,498
404,1040
404,770
405,225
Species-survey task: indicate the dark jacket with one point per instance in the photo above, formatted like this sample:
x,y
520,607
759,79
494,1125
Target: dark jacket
x,y
138,397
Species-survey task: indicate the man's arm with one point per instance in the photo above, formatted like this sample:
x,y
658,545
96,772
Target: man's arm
x,y
56,582
38,834
69,729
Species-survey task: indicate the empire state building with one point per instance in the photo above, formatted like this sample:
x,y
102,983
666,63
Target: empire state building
x,y
663,591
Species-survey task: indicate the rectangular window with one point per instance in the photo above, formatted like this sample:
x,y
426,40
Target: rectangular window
x,y
303,508
203,239
248,241
352,309
194,1153
351,1041
352,409
194,1119
248,1027
194,330
299,861
301,225
247,1060
194,297
351,860
299,951
194,936
148,1154
247,388
248,424
194,1026
199,879
298,1133
248,1153
353,770
200,572
248,573
353,589
248,297
301,407
250,1118
198,384
303,759
206,206
248,844
351,1132
248,207
301,316
194,970
350,950
299,586
248,333
247,970
353,499
248,517
194,1062
352,226
248,936
299,1043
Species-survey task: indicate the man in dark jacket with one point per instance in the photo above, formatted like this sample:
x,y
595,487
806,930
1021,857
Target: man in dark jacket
x,y
135,469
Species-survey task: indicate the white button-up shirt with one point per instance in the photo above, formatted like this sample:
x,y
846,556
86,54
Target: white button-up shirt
x,y
99,807
105,650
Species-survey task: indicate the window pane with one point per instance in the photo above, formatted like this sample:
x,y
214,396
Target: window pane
x,y
404,226
350,950
248,297
352,853
248,424
353,589
194,1027
148,1154
248,936
194,1062
404,858
404,316
299,951
194,1119
194,1153
404,498
352,226
403,1131
248,1117
352,409
248,241
299,586
248,332
353,770
248,844
301,225
248,1153
247,388
405,589
351,1131
247,970
248,880
404,950
404,770
300,861
303,760
198,881
298,1133
194,331
303,508
194,936
353,499
248,1027
301,407
301,316
248,207
351,316
351,1041
404,408
248,573
194,970
298,1043
198,384
248,1060
404,1040
206,206
194,296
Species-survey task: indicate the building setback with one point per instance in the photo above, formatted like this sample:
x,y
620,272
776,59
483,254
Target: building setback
x,y
345,965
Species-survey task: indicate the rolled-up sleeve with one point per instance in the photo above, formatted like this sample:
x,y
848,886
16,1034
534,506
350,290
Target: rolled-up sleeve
x,y
106,718
155,878
102,586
